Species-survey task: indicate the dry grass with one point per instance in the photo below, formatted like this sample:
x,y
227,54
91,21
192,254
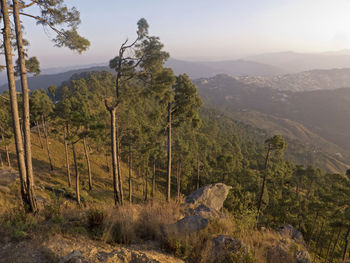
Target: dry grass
x,y
133,223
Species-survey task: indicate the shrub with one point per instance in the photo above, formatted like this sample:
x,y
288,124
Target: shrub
x,y
16,223
95,221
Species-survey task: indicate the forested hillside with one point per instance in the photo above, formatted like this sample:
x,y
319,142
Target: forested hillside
x,y
314,121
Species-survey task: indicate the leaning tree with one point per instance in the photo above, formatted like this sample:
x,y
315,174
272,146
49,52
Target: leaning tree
x,y
53,14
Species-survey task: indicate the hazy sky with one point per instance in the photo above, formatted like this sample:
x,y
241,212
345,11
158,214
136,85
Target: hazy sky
x,y
203,29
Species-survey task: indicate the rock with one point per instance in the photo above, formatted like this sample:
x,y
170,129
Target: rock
x,y
211,196
73,257
124,255
292,233
224,246
190,224
5,189
290,248
302,256
204,212
227,242
201,206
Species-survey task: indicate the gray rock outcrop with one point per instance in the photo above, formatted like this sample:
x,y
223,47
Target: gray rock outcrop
x,y
201,206
211,196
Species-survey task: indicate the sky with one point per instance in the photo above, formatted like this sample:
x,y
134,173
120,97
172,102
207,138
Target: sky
x,y
201,29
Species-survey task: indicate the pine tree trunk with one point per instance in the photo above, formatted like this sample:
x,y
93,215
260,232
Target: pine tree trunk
x,y
169,155
263,185
346,244
146,185
88,163
329,246
335,245
1,161
178,181
114,157
47,141
39,133
8,156
313,227
14,104
318,240
26,112
67,157
121,197
77,179
130,176
153,180
198,172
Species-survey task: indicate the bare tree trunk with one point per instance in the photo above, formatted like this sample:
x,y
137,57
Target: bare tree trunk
x,y
335,245
114,157
8,156
329,246
67,157
346,244
1,161
88,163
153,180
77,179
178,180
146,185
313,227
26,112
47,141
130,176
263,185
318,240
198,172
14,105
168,197
120,182
39,133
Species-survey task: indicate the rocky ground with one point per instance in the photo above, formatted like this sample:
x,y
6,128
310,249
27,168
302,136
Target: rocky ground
x,y
69,250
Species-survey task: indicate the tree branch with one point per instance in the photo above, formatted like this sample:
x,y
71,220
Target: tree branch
x,y
42,20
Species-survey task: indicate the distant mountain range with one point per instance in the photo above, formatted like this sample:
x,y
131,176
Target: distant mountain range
x,y
293,62
193,69
201,69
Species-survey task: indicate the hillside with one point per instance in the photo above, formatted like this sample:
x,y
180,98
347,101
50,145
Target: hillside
x,y
52,181
314,119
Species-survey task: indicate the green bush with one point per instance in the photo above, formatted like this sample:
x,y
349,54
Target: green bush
x,y
16,223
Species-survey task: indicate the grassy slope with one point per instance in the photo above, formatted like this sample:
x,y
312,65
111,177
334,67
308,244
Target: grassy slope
x,y
102,179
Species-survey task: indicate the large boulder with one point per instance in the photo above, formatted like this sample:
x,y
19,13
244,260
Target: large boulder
x,y
201,206
211,196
